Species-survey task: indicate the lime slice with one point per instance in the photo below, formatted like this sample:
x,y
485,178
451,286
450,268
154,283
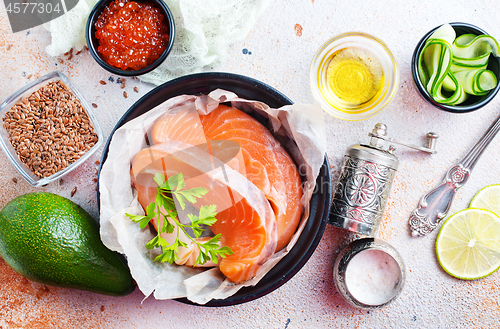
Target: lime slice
x,y
468,244
487,198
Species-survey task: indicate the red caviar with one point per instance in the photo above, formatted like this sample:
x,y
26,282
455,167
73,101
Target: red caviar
x,y
131,35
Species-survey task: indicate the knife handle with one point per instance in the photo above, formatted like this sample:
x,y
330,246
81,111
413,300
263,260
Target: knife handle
x,y
434,206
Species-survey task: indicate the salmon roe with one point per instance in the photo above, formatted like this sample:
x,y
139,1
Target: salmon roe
x,y
131,35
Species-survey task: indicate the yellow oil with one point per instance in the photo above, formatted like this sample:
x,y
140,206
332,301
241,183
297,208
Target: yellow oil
x,y
353,78
351,81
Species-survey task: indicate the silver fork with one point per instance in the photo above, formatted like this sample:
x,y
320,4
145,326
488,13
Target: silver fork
x,y
434,206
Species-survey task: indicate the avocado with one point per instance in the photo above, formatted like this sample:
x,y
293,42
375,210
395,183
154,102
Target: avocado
x,y
50,239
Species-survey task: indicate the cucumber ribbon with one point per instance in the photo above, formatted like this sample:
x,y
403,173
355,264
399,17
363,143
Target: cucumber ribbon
x,y
452,68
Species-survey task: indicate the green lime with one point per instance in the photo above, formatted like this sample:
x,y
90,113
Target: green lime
x,y
487,198
468,244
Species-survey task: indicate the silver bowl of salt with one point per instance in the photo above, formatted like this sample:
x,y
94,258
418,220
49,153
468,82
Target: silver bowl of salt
x,y
369,273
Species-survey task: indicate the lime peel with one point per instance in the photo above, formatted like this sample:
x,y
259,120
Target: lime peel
x,y
467,246
487,198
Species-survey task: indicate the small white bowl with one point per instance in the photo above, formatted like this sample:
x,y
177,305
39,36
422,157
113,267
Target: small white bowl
x,y
355,290
325,96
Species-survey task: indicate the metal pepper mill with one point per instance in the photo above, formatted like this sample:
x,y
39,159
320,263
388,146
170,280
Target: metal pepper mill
x,y
361,193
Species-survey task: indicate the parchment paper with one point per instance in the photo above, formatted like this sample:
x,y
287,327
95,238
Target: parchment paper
x,y
300,129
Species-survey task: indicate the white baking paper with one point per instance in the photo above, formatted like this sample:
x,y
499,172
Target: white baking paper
x,y
299,127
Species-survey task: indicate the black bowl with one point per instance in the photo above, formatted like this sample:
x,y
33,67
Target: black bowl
x,y
248,88
93,42
473,102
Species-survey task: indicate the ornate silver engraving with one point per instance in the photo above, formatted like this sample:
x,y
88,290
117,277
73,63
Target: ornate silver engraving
x,y
434,206
420,225
423,221
458,175
360,195
360,190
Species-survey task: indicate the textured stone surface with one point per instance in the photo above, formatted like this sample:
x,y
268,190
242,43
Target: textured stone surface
x,y
278,51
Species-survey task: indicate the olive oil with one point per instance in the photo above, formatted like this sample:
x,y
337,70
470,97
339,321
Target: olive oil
x,y
353,77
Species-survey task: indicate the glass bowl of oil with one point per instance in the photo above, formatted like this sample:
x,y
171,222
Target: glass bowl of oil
x,y
354,76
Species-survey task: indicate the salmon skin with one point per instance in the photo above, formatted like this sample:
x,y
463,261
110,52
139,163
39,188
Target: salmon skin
x,y
255,218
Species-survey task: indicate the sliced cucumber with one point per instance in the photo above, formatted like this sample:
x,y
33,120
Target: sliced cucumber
x,y
437,59
478,61
474,82
485,81
468,47
451,68
458,96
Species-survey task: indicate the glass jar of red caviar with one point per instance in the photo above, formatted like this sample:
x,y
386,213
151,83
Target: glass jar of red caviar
x,y
132,35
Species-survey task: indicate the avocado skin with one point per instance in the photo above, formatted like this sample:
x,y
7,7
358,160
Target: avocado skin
x,y
51,240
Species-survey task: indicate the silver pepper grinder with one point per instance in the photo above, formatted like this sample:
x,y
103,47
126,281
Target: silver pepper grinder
x,y
365,180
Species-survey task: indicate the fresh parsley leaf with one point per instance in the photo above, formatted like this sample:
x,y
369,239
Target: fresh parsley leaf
x,y
166,202
151,210
207,215
166,256
182,200
222,252
153,243
201,259
168,251
142,220
162,242
176,182
182,244
193,194
167,222
190,195
214,240
208,211
167,227
159,178
193,218
135,218
197,231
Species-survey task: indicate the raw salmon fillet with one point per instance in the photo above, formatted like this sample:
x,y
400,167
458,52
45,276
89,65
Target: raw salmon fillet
x,y
171,159
252,220
267,164
261,159
241,229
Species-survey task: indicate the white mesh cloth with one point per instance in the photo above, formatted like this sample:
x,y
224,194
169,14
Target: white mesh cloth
x,y
204,30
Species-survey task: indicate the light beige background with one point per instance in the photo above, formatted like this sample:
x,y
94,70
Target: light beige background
x,y
282,44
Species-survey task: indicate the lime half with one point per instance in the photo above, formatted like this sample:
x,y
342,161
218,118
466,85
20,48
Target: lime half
x,y
487,198
468,244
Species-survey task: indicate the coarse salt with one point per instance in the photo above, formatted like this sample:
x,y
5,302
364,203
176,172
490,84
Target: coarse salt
x,y
372,277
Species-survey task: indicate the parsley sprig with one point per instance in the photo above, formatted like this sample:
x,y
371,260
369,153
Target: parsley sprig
x,y
166,191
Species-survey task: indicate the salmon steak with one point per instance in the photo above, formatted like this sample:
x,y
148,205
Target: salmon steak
x,y
253,230
267,164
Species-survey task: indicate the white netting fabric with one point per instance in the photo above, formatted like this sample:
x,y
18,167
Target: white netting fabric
x,y
204,30
68,30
